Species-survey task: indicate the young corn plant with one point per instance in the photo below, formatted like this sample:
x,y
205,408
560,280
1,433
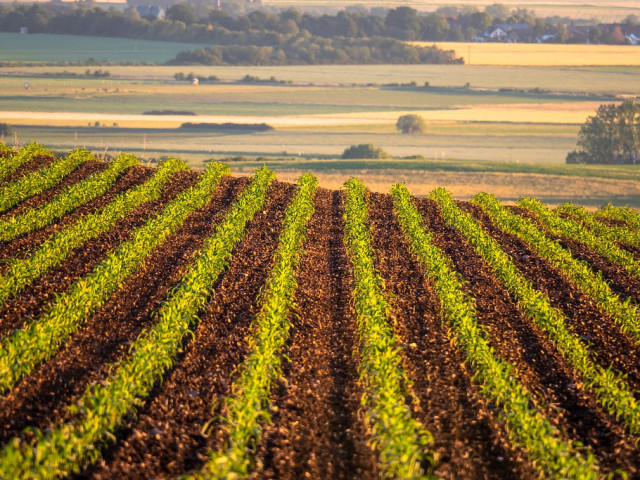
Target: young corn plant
x,y
248,406
35,183
39,340
612,233
11,163
610,388
624,312
67,447
401,441
66,201
527,425
21,272
567,227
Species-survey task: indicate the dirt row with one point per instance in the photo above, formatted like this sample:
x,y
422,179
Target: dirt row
x,y
36,163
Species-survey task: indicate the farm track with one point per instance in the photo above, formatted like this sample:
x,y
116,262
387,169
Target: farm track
x,y
467,438
540,367
26,243
318,423
36,297
598,330
44,394
316,432
171,435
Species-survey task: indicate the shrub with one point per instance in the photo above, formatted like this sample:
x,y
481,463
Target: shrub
x,y
365,150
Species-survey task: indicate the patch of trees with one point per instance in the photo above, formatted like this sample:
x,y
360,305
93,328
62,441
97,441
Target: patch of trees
x,y
239,127
364,150
611,136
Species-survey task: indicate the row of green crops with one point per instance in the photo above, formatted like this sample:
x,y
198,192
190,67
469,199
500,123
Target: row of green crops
x,y
103,407
66,201
567,227
41,339
5,152
21,272
628,215
527,426
609,232
401,441
610,388
35,183
624,312
11,163
247,408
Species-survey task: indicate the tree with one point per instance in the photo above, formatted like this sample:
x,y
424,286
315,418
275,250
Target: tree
x,y
611,136
365,150
411,124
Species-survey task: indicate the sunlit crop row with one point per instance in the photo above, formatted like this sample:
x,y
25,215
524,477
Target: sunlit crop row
x,y
37,182
624,312
104,406
610,388
11,163
613,233
528,427
66,201
570,228
401,441
41,339
21,272
248,407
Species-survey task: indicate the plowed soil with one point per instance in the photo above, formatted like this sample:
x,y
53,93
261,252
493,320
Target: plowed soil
x,y
317,428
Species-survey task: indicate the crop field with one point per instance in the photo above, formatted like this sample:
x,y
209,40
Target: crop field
x,y
542,55
159,322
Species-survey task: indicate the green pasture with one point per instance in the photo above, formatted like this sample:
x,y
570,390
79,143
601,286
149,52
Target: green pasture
x,y
15,47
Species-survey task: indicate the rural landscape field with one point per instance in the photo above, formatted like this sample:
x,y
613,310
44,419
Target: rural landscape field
x,y
268,240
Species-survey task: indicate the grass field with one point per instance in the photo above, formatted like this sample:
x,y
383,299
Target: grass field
x,y
75,48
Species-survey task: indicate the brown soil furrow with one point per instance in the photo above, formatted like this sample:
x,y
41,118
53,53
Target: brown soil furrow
x,y
540,367
35,298
468,440
171,434
26,244
316,432
42,396
585,319
36,163
85,170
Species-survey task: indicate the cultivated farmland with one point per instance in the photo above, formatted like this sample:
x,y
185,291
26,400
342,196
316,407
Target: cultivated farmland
x,y
168,322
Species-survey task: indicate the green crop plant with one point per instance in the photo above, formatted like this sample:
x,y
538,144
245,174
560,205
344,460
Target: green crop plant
x,y
105,405
35,183
624,312
610,388
527,425
612,233
10,164
66,201
21,272
248,406
626,214
41,339
401,441
5,151
570,228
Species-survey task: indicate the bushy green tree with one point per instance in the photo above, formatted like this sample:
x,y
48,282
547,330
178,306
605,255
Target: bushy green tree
x,y
611,136
411,124
365,150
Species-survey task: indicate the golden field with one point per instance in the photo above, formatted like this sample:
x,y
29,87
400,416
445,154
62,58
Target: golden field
x,y
541,55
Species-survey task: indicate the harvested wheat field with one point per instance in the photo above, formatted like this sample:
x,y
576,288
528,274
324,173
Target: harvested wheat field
x,y
164,322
